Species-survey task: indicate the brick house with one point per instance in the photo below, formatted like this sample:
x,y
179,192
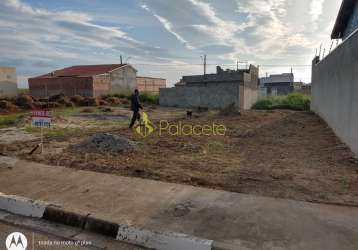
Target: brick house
x,y
85,80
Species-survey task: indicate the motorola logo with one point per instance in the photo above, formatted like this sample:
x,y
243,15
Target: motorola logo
x,y
16,241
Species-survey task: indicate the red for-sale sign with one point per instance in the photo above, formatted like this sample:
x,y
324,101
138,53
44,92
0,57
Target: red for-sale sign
x,y
41,113
41,118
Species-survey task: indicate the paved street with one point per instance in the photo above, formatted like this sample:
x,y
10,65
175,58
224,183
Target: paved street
x,y
43,241
248,221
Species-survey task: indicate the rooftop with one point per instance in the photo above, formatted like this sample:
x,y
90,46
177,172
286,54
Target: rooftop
x,y
344,14
84,70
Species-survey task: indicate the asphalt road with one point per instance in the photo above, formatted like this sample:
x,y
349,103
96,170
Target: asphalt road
x,y
40,241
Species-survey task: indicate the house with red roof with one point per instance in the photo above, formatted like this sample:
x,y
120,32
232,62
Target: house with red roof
x,y
85,80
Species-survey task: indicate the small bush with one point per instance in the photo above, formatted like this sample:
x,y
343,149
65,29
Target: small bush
x,y
9,120
117,95
24,101
151,98
22,91
293,101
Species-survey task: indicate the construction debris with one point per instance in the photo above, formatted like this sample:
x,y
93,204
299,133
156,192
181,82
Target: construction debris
x,y
106,142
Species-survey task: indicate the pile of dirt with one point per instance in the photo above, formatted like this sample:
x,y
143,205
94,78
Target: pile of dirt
x,y
77,99
62,100
106,142
89,101
113,100
103,103
124,101
7,107
87,110
116,100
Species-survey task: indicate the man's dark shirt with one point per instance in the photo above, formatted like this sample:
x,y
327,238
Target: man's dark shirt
x,y
135,104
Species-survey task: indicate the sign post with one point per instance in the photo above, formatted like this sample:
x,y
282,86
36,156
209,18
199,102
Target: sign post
x,y
41,119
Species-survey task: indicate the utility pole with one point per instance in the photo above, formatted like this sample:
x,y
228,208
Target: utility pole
x,y
237,65
121,60
204,64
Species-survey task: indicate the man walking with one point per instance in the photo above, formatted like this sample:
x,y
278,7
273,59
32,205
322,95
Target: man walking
x,y
135,106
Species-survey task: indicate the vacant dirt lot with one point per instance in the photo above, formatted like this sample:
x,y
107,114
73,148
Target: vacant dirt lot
x,y
278,153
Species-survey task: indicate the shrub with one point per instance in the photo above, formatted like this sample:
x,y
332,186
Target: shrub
x,y
24,101
294,101
117,95
9,120
23,91
151,98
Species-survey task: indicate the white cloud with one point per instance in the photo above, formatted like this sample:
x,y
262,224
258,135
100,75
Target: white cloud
x,y
261,31
168,26
316,9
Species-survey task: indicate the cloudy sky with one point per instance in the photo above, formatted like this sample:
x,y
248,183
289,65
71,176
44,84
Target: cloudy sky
x,y
164,38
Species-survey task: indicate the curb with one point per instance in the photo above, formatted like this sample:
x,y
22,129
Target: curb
x,y
125,233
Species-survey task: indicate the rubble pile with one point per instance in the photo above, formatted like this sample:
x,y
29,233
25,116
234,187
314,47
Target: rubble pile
x,y
106,142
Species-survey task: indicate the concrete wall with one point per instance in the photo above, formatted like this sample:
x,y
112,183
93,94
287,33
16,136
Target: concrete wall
x,y
240,88
210,95
250,89
69,86
123,80
8,82
335,91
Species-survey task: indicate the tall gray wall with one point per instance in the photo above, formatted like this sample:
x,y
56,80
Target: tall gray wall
x,y
335,91
210,95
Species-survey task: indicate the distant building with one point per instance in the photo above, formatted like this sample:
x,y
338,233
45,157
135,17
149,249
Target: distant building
x,y
347,20
150,84
229,87
306,89
274,85
85,80
8,82
297,86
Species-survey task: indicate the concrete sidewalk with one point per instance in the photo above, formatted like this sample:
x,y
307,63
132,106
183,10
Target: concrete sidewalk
x,y
249,222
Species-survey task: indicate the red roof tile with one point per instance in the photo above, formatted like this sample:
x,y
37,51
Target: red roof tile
x,y
84,70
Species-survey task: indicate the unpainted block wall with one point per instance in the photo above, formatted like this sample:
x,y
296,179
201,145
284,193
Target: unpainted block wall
x,y
69,86
335,91
210,95
123,80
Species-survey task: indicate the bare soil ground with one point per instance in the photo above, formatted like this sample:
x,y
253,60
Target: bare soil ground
x,y
282,154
